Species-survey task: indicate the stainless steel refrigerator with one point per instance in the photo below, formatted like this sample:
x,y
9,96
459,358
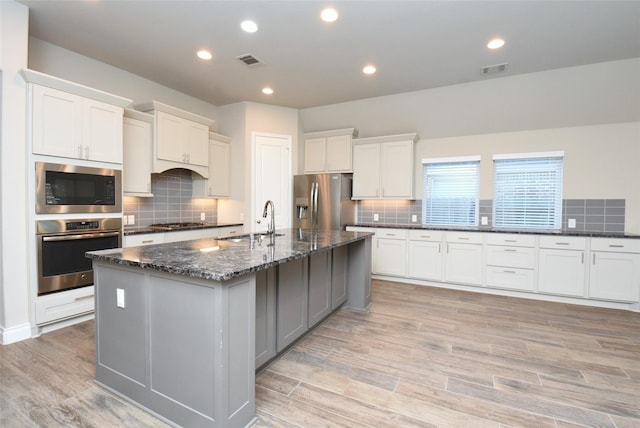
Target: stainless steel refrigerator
x,y
323,201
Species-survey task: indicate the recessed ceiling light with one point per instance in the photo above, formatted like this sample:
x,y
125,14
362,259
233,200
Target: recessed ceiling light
x,y
329,14
249,26
267,90
369,69
495,44
204,54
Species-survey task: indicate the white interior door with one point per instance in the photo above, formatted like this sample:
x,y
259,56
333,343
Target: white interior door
x,y
271,179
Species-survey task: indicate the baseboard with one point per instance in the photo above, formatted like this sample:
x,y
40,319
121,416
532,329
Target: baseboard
x,y
15,334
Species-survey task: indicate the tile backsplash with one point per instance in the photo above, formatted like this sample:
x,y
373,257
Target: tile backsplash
x,y
591,215
172,201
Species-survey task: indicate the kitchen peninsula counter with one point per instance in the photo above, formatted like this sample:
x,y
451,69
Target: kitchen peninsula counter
x,y
176,322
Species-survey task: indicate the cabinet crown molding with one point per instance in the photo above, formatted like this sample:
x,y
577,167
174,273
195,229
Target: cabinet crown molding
x,y
219,137
387,139
32,76
158,106
138,115
332,133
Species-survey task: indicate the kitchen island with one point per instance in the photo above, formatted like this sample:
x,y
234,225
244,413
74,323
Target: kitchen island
x,y
176,323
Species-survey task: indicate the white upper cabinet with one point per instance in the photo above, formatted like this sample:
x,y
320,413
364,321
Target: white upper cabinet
x,y
181,138
383,167
74,121
138,153
328,151
218,185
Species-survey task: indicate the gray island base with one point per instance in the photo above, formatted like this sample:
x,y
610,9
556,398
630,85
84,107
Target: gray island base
x,y
182,327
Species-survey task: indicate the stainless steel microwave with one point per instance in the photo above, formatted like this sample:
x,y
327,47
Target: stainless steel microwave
x,y
77,189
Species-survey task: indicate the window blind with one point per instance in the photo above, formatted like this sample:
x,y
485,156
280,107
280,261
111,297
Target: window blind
x,y
527,192
450,192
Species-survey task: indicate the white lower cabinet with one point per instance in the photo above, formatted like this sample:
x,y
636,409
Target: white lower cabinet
x,y
614,271
561,265
425,255
464,260
510,261
390,252
143,239
67,304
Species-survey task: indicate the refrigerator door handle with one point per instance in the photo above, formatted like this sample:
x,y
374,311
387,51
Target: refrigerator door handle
x,y
315,205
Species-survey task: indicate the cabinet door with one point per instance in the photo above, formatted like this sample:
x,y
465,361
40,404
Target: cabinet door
x,y
136,165
291,319
463,263
265,316
170,137
561,272
197,143
396,170
102,131
314,155
338,154
319,286
219,169
366,171
57,118
615,276
425,260
339,275
391,257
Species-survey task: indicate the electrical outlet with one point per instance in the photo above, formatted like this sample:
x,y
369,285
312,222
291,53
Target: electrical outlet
x,y
241,216
414,218
202,216
376,217
571,224
131,220
125,220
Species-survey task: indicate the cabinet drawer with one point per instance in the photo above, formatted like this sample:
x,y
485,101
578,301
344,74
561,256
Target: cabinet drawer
x,y
63,305
516,257
391,233
426,235
465,237
619,245
511,278
563,242
231,230
515,240
144,239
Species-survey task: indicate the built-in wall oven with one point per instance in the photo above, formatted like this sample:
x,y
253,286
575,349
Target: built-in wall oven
x,y
62,188
61,247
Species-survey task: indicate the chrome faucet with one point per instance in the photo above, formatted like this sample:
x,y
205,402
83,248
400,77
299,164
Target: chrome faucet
x,y
271,228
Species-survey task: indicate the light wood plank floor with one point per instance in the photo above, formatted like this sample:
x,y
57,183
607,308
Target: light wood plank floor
x,y
419,357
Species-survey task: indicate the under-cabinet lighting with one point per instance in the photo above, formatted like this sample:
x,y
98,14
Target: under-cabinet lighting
x,y
210,249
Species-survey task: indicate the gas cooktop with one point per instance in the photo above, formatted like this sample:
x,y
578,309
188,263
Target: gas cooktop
x,y
175,226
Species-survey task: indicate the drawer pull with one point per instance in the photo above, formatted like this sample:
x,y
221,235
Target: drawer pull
x,y
439,248
232,232
562,243
582,261
510,250
463,238
616,245
594,259
88,296
147,241
425,236
510,240
390,234
509,271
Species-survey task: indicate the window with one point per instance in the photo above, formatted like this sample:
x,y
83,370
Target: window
x,y
527,190
450,191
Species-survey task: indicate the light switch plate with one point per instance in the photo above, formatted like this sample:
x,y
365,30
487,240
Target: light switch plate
x,y
484,220
414,218
120,297
202,216
571,224
376,217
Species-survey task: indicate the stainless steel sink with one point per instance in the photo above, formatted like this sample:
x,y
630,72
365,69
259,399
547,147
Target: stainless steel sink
x,y
248,237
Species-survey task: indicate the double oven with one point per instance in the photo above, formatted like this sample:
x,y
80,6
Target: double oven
x,y
61,243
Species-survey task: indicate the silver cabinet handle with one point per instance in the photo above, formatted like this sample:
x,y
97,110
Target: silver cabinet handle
x,y
439,248
510,250
582,261
616,246
594,259
562,243
509,271
88,296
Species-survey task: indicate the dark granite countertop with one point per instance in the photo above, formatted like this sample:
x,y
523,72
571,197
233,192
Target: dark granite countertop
x,y
496,230
224,259
138,230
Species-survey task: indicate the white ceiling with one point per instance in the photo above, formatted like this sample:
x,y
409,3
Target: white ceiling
x,y
414,44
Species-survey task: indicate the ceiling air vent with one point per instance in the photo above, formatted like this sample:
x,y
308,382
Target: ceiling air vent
x,y
492,69
249,60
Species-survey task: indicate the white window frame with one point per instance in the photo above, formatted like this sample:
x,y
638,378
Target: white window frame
x,y
456,218
510,212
